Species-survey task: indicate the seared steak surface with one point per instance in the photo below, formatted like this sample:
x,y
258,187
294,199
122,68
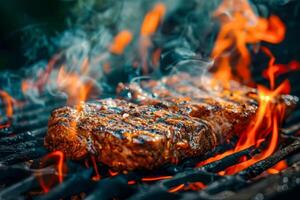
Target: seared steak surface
x,y
157,122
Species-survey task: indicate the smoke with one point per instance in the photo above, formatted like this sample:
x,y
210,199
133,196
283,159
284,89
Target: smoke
x,y
182,42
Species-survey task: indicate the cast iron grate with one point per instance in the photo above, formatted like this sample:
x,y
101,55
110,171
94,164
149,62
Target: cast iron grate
x,y
21,151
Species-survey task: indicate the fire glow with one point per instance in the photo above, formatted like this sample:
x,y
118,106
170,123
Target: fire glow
x,y
246,28
242,27
233,61
47,183
9,101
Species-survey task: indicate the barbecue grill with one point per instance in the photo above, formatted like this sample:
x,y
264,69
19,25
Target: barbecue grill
x,y
22,151
28,171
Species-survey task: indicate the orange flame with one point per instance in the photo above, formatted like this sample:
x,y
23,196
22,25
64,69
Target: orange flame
x,y
8,103
131,182
120,42
97,177
149,26
278,167
72,83
47,184
153,19
242,27
279,69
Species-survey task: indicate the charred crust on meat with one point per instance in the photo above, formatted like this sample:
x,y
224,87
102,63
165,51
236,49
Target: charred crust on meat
x,y
157,122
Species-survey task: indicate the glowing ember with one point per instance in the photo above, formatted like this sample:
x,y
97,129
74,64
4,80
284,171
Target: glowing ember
x,y
131,182
46,184
279,69
120,42
240,28
149,26
73,84
278,167
195,186
112,173
156,178
176,189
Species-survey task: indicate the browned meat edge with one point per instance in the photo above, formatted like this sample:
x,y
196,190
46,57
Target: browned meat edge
x,y
170,120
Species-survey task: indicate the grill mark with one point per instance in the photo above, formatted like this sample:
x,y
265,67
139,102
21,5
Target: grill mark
x,y
131,125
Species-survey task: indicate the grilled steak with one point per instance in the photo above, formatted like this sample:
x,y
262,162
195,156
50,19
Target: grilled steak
x,y
158,122
229,107
128,136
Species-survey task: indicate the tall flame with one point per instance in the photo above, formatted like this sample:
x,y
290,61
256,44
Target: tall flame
x,y
232,57
73,85
240,28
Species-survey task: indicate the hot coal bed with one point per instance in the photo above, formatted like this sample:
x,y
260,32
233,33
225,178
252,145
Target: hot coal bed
x,y
29,171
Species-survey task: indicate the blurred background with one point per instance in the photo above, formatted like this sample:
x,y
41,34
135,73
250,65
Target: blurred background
x,y
28,26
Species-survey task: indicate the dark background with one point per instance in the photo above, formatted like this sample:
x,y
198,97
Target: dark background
x,y
26,21
27,26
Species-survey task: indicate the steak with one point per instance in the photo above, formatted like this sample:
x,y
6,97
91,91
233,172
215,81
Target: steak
x,y
155,122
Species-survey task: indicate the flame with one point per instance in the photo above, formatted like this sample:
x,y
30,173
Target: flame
x,y
149,26
97,177
47,184
195,186
279,69
73,84
42,78
278,167
120,42
8,103
241,28
152,19
267,121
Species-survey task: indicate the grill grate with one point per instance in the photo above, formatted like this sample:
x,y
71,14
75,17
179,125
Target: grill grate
x,y
22,146
21,150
